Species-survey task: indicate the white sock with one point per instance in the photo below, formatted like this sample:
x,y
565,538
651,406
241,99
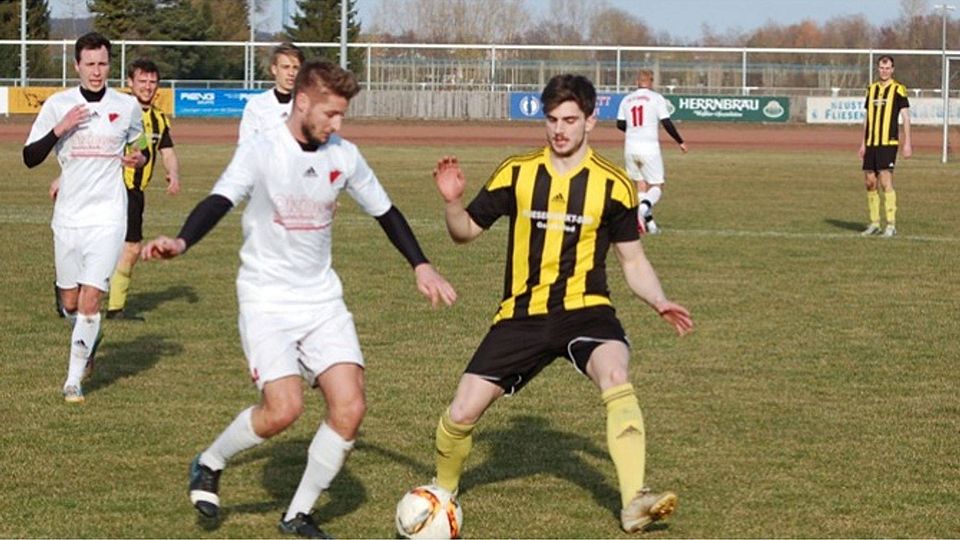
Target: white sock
x,y
325,458
651,197
238,437
70,318
84,336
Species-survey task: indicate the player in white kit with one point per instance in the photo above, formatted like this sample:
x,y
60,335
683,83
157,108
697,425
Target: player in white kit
x,y
90,128
640,114
293,321
272,108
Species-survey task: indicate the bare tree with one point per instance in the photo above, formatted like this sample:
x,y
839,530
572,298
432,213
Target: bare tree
x,y
453,21
614,26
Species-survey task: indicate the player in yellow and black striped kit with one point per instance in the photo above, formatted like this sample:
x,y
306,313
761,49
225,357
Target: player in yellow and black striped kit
x,y
144,79
566,207
886,104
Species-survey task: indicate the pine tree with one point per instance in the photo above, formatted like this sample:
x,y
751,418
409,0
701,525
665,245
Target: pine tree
x,y
39,63
319,20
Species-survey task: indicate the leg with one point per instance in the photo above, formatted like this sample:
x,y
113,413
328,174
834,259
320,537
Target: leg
x,y
84,339
873,202
281,403
454,438
885,179
626,438
120,282
342,389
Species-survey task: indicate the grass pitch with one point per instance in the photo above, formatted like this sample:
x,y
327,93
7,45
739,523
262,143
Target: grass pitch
x,y
816,398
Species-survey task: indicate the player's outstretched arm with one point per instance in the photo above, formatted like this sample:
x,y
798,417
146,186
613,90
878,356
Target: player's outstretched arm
x,y
451,184
201,220
643,281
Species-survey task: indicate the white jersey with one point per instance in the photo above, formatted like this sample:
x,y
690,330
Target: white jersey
x,y
285,258
262,112
92,192
642,109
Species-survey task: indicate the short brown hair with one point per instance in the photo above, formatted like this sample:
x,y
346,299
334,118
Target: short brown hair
x,y
143,65
92,41
286,49
324,76
885,57
567,87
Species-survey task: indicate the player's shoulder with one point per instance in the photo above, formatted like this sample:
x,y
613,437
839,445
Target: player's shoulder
x,y
66,96
601,163
900,88
522,158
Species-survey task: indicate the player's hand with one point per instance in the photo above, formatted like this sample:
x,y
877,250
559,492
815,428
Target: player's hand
x,y
54,189
432,285
863,150
173,185
163,247
134,160
676,315
77,115
449,178
907,150
683,147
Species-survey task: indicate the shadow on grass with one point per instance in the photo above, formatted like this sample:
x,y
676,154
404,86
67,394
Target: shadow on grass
x,y
285,462
117,360
530,446
149,301
846,225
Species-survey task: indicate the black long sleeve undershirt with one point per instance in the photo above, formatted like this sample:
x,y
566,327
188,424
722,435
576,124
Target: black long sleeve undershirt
x,y
37,151
401,236
622,125
204,218
671,130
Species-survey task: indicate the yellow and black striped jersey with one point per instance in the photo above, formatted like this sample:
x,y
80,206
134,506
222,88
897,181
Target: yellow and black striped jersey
x,y
156,131
884,102
561,227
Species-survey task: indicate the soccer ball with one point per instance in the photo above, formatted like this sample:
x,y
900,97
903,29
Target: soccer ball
x,y
429,512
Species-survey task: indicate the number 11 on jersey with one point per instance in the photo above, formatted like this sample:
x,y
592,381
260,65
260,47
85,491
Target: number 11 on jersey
x,y
636,115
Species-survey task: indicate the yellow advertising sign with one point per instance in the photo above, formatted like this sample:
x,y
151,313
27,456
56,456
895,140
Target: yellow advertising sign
x,y
27,100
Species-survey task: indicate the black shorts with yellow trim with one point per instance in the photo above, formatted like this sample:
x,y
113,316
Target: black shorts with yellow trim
x,y
514,351
880,158
135,204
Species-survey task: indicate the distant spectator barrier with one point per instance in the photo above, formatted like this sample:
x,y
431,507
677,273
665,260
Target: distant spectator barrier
x,y
28,100
527,106
211,102
850,110
4,100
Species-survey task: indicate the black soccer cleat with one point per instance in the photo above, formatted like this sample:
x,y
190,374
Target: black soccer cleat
x,y
204,488
302,525
121,315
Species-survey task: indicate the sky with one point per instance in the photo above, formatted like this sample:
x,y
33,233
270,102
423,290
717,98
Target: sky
x,y
682,19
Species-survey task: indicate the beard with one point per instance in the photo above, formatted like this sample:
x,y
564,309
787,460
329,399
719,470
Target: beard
x,y
310,137
573,150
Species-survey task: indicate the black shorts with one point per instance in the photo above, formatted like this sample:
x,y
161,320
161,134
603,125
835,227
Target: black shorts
x,y
879,158
135,202
515,351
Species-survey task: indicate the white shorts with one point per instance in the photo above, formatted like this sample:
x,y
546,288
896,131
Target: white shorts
x,y
302,341
87,255
644,164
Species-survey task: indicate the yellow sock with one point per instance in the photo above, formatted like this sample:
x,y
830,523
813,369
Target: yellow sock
x,y
454,442
890,205
119,285
873,204
625,438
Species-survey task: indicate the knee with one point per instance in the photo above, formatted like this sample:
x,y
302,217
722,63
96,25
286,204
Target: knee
x,y
462,415
278,416
345,417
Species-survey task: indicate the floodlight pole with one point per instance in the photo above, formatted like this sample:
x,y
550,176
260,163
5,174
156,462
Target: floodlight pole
x,y
945,83
23,43
343,33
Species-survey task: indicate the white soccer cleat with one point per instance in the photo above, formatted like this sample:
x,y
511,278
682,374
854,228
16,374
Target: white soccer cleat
x,y
890,231
873,229
73,394
652,227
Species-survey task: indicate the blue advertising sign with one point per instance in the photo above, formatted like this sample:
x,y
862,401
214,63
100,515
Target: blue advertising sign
x,y
209,102
527,106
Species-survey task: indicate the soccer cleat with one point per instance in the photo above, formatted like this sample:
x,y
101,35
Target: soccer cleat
x,y
890,231
204,486
873,229
121,315
652,227
302,525
72,394
645,508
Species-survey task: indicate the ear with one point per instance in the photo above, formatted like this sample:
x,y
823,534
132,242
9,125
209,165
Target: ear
x,y
273,70
301,101
591,121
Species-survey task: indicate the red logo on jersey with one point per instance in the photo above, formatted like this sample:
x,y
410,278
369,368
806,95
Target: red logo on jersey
x,y
255,375
334,174
113,116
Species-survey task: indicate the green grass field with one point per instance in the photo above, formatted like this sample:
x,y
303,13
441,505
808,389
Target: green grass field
x,y
818,396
